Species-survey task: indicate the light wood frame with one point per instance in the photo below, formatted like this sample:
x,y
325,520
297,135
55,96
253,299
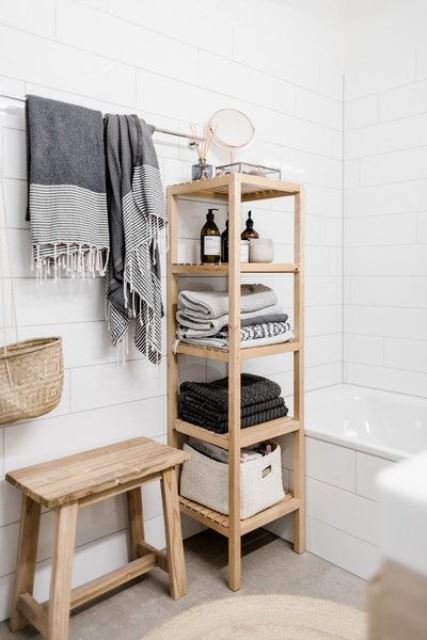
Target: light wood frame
x,y
233,190
51,618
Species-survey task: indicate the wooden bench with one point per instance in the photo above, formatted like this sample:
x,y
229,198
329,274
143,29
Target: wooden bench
x,y
75,481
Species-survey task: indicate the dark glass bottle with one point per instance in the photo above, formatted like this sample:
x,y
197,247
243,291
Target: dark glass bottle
x,y
249,233
210,240
224,243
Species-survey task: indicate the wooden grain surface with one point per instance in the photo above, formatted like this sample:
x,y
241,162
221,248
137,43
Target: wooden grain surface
x,y
72,478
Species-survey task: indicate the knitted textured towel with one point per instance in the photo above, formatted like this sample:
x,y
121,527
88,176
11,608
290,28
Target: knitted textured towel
x,y
192,406
254,389
67,202
248,421
136,210
205,305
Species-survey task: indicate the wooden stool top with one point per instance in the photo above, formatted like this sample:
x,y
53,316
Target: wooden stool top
x,y
92,473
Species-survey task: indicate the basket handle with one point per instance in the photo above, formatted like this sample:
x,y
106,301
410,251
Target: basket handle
x,y
9,261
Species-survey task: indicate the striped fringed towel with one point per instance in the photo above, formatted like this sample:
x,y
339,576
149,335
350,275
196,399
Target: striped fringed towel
x,y
136,209
67,202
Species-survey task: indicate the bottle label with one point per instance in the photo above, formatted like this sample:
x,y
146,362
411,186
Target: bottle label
x,y
212,245
244,251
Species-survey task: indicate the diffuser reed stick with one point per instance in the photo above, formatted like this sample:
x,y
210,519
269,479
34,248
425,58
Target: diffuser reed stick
x,y
203,147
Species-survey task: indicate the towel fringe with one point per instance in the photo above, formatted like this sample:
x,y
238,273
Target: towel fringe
x,y
75,260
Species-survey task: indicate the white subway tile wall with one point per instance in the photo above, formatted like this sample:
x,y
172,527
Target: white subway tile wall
x,y
385,200
173,65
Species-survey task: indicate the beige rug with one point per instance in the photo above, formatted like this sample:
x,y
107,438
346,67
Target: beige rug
x,y
265,617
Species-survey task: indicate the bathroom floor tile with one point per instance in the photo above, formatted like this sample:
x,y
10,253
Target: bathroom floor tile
x,y
270,566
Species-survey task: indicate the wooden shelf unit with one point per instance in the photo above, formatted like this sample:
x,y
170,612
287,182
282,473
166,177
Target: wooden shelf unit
x,y
235,189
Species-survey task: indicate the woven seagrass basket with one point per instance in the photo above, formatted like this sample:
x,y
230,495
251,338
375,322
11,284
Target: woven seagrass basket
x,y
31,378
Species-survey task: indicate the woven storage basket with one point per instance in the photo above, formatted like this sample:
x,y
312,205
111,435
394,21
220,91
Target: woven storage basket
x,y
206,481
31,378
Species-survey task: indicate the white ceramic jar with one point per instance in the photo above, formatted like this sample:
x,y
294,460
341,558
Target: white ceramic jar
x,y
261,250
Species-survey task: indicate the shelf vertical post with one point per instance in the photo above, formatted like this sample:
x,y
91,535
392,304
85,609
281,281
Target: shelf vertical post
x,y
234,537
172,301
299,371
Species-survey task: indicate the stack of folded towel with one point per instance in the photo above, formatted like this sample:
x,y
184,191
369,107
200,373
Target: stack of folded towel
x,y
203,318
206,404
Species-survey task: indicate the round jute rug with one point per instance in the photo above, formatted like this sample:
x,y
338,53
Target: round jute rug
x,y
265,617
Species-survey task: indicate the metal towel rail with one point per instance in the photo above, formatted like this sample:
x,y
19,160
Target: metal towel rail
x,y
168,132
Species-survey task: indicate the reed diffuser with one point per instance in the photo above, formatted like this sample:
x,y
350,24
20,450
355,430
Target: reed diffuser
x,y
202,170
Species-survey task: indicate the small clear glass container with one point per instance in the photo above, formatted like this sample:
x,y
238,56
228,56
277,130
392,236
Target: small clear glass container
x,y
249,169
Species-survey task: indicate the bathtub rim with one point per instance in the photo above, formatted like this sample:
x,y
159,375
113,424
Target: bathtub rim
x,y
379,451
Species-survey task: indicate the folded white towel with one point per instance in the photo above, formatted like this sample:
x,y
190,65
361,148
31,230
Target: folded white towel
x,y
205,305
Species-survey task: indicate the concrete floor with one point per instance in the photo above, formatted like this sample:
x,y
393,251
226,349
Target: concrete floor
x,y
270,566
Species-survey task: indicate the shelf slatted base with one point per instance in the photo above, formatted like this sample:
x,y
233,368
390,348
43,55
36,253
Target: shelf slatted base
x,y
249,435
220,522
190,349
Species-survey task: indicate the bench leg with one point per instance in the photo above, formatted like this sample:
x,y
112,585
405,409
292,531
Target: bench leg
x,y
60,585
136,521
26,559
175,548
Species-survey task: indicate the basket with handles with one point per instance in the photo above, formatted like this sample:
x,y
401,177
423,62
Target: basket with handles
x,y
31,371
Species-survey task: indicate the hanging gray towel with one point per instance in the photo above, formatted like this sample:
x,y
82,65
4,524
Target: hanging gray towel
x,y
136,209
67,202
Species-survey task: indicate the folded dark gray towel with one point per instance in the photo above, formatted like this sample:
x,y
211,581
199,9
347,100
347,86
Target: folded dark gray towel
x,y
193,406
254,389
67,202
248,421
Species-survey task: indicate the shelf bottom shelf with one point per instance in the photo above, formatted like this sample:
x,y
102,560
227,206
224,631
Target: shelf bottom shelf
x,y
220,522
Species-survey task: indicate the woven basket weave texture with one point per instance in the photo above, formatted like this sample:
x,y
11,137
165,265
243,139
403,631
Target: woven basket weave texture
x,y
31,378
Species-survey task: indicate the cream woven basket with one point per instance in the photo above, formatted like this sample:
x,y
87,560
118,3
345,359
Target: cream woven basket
x,y
31,378
206,481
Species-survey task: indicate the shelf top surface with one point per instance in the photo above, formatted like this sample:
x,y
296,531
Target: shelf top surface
x,y
252,187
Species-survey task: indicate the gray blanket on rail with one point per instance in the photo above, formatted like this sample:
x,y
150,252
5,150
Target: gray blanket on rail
x,y
67,202
136,211
254,389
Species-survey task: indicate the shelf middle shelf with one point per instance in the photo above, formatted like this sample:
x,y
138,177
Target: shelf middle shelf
x,y
248,436
245,354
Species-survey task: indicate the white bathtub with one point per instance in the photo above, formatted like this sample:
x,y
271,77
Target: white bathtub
x,y
352,433
388,425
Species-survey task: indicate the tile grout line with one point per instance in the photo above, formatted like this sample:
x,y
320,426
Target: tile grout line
x,y
342,231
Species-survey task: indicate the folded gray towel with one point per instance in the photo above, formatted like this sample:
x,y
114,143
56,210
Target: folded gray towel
x,y
67,202
206,305
189,328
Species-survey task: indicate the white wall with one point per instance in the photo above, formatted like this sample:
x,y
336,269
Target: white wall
x,y
385,219
172,62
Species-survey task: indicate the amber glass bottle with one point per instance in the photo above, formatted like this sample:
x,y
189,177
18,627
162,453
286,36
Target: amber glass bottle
x,y
210,240
249,233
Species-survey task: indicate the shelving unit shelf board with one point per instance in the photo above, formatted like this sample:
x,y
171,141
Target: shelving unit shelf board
x,y
252,188
249,436
220,522
222,269
233,190
245,354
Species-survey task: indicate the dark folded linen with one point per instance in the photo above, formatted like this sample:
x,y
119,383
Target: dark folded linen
x,y
254,389
192,406
248,421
